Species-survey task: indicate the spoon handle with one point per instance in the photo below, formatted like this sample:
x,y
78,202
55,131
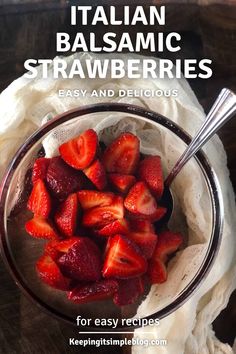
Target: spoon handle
x,y
222,110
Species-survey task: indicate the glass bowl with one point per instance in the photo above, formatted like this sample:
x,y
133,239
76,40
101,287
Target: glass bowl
x,y
20,251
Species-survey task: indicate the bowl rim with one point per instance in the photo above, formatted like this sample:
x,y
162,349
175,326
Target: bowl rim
x,y
211,181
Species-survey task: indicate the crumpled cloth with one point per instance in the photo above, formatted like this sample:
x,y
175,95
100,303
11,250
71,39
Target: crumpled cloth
x,y
26,103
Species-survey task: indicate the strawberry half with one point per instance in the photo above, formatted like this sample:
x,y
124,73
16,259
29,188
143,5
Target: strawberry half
x,y
145,240
122,155
168,243
96,174
150,171
82,261
40,228
100,290
156,216
66,215
157,271
121,183
62,179
49,273
40,169
123,259
90,199
140,201
108,245
55,249
80,152
101,216
119,226
142,225
128,291
39,201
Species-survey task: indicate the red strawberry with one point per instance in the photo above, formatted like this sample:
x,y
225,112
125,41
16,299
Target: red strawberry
x,y
122,183
50,274
55,249
157,271
145,240
40,169
100,290
66,215
80,152
122,155
142,225
40,228
63,179
90,199
82,261
140,201
50,250
101,216
150,171
123,259
119,226
168,243
97,175
128,291
39,201
108,245
157,215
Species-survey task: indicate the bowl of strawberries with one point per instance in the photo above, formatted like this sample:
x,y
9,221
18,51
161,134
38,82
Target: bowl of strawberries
x,y
80,228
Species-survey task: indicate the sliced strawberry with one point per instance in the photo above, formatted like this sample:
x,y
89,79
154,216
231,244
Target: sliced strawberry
x,y
108,245
39,201
140,201
128,291
100,290
66,215
62,179
55,249
121,183
168,243
145,240
80,152
157,215
122,155
101,216
49,273
119,226
82,261
90,199
40,169
141,225
40,228
150,171
123,259
157,271
97,174
50,249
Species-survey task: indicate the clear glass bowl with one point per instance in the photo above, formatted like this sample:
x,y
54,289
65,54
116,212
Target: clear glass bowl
x,y
20,251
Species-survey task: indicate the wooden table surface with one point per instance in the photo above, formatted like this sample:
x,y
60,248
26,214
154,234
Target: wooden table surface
x,y
207,31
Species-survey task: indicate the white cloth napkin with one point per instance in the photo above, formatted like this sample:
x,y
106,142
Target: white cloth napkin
x,y
26,103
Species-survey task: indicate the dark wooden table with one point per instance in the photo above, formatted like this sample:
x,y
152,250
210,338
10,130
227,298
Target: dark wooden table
x,y
26,31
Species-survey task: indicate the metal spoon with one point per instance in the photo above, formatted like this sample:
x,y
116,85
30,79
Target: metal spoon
x,y
222,110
